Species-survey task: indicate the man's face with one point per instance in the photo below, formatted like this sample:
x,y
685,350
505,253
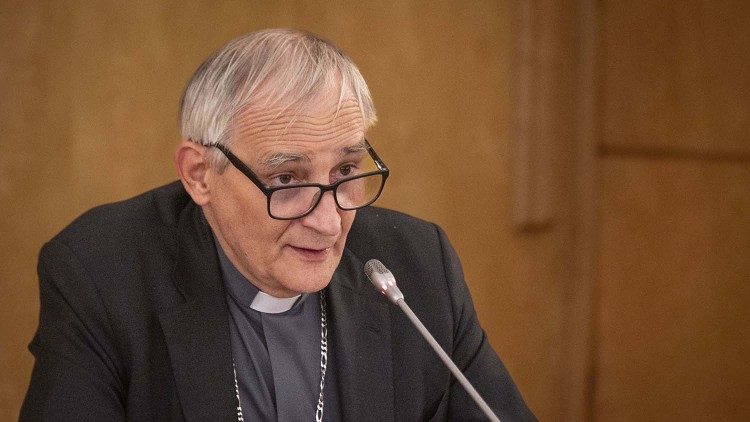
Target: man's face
x,y
317,145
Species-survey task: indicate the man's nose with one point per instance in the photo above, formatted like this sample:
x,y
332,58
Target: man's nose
x,y
325,218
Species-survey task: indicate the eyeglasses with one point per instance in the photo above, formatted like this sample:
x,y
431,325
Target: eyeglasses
x,y
296,201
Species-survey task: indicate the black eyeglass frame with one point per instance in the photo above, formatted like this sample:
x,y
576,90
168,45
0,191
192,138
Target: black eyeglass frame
x,y
268,191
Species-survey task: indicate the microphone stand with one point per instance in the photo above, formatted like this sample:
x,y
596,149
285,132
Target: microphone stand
x,y
447,360
385,282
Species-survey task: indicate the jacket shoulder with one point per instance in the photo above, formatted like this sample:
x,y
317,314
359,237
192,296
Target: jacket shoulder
x,y
130,219
120,254
389,225
377,219
379,232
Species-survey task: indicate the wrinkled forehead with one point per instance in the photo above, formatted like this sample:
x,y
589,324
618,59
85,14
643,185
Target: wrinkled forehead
x,y
322,117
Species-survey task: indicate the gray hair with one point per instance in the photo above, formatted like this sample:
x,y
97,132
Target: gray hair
x,y
270,68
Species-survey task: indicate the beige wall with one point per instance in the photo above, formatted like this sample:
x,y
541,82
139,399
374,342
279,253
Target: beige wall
x,y
637,277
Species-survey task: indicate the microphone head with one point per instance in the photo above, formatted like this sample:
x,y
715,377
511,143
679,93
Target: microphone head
x,y
383,280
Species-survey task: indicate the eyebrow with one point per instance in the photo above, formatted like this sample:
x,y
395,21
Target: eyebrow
x,y
353,149
280,158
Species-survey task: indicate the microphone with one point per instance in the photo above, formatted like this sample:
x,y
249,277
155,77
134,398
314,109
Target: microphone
x,y
384,281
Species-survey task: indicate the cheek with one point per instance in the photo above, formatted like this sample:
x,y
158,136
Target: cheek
x,y
260,236
247,225
347,218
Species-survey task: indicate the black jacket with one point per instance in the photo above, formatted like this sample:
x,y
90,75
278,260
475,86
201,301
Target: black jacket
x,y
134,323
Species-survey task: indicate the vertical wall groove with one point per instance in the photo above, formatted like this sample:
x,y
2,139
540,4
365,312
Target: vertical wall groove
x,y
580,341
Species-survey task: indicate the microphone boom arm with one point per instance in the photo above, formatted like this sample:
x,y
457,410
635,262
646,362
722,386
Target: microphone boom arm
x,y
385,282
447,360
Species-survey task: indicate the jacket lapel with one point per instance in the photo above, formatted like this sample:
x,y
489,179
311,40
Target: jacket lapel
x,y
197,331
360,320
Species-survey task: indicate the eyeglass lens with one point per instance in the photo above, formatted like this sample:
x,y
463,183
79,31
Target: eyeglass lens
x,y
351,194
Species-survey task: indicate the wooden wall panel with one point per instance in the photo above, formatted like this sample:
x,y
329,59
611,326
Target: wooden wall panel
x,y
674,298
675,76
675,195
89,100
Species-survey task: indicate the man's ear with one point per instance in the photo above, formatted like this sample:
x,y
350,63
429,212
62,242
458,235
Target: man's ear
x,y
193,169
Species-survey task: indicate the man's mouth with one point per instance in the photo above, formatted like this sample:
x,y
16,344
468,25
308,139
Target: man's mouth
x,y
311,254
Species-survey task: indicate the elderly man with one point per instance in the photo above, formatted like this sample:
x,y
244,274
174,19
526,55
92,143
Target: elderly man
x,y
238,293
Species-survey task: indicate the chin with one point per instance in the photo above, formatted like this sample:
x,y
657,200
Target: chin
x,y
309,286
308,279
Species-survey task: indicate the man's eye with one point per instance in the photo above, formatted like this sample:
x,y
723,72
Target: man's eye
x,y
346,170
284,179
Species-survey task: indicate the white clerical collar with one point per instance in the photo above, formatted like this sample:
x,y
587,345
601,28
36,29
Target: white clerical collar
x,y
273,305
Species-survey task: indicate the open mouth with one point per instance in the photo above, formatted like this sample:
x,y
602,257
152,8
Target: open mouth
x,y
311,254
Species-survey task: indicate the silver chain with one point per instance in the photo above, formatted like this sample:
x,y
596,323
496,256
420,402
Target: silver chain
x,y
323,364
237,392
323,355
